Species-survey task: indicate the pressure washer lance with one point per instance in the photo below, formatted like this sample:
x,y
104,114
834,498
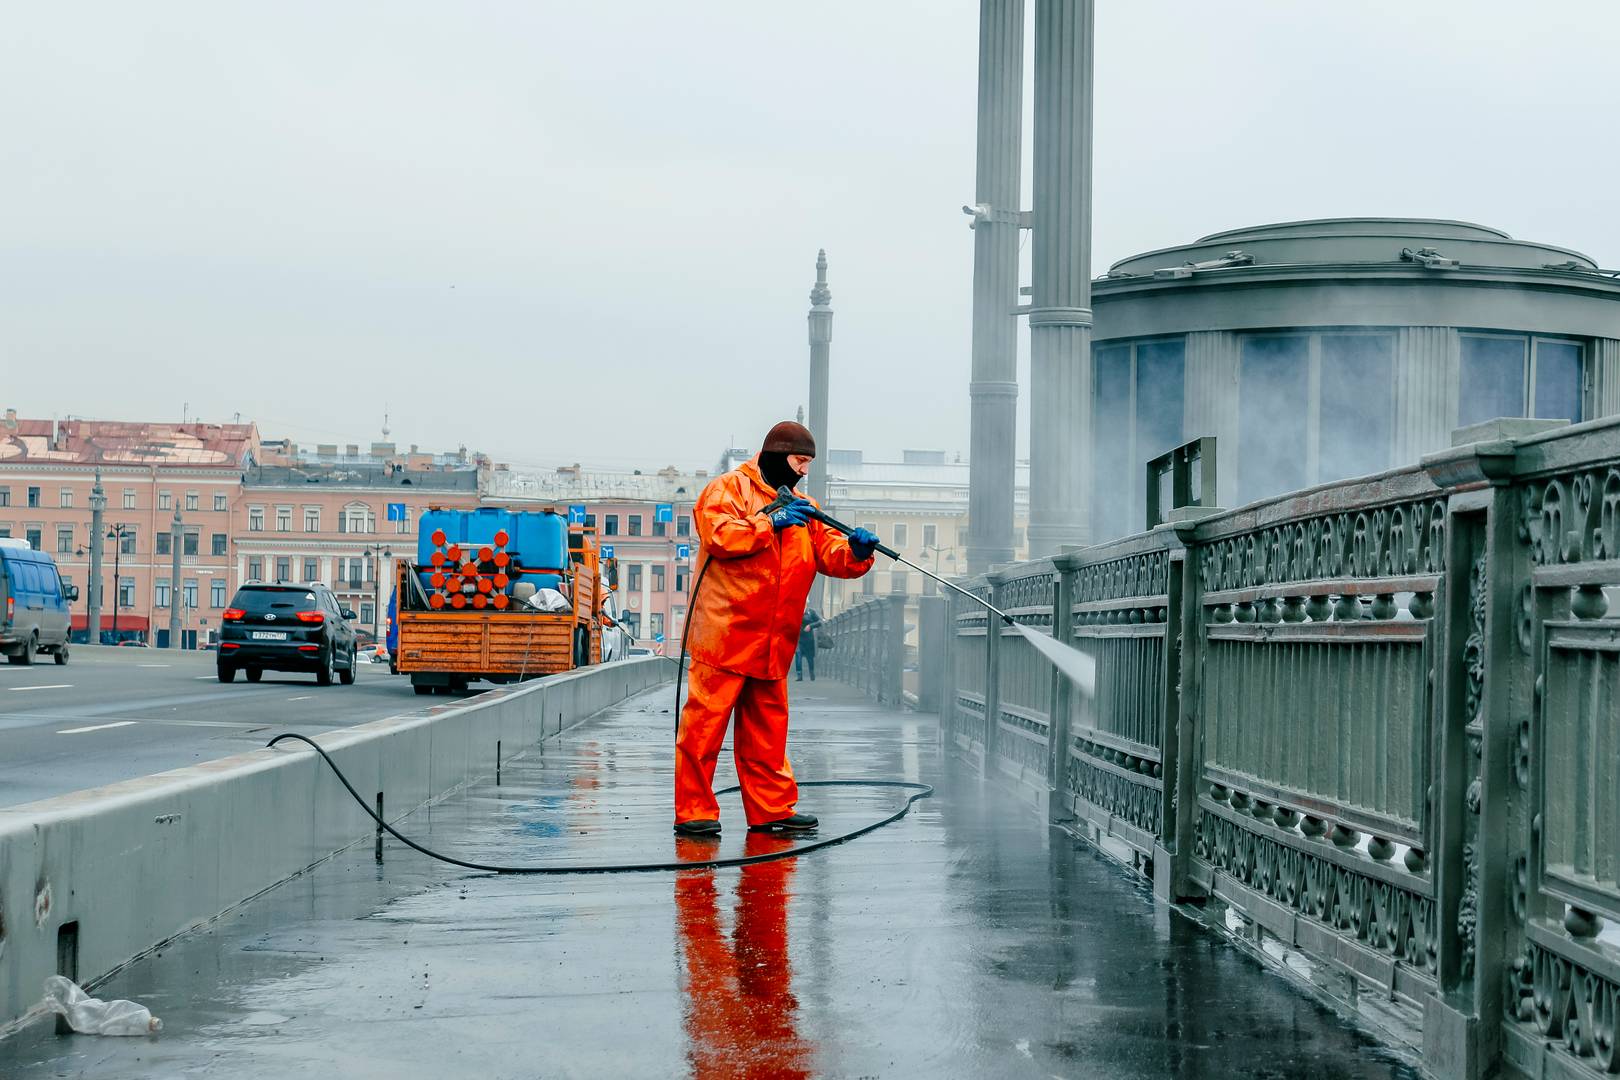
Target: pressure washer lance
x,y
785,495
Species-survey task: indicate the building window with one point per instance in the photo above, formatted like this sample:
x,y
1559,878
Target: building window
x,y
216,593
635,577
160,592
126,592
66,498
1492,378
930,536
655,622
1356,414
126,541
403,525
1274,400
283,568
929,587
220,543
283,519
64,539
191,500
868,584
35,534
368,613
660,528
33,496
190,597
163,545
683,526
680,580
633,620
129,498
5,530
632,524
590,521
255,519
312,570
357,518
610,525
1556,380
221,503
312,519
165,501
901,537
189,541
255,569
5,496
658,579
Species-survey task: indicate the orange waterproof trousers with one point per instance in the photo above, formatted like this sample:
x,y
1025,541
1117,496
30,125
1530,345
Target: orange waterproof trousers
x,y
758,745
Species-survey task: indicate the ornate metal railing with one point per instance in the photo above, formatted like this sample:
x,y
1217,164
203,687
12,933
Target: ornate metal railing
x,y
867,648
1379,720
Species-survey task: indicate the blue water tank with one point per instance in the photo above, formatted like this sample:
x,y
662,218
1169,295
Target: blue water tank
x,y
539,540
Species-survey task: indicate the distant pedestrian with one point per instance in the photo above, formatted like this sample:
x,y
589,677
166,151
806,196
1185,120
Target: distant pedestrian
x,y
806,652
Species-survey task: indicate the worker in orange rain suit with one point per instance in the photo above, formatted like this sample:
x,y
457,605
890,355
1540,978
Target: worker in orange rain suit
x,y
754,572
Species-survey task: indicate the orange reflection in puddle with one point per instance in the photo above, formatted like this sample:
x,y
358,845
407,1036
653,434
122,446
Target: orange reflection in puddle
x,y
740,1009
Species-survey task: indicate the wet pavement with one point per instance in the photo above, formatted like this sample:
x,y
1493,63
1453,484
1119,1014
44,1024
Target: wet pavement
x,y
963,941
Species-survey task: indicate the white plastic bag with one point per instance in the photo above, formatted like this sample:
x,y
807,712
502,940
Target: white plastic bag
x,y
549,600
92,1016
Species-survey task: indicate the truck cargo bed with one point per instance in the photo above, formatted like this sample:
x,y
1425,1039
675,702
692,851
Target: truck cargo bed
x,y
479,643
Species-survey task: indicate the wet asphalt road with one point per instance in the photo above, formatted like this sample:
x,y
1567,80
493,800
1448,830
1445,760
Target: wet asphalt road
x,y
116,713
963,941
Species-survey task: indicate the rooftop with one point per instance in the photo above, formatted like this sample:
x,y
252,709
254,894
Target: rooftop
x,y
361,476
1365,240
123,443
574,484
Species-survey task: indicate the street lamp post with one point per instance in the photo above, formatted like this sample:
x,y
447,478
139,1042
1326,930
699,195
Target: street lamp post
x,y
375,553
117,534
92,604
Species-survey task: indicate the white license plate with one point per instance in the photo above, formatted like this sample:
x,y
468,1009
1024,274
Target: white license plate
x,y
269,635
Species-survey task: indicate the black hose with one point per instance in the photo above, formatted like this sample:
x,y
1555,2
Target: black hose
x,y
921,791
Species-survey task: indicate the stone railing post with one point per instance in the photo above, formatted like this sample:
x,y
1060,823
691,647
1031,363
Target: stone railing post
x,y
1481,689
931,653
1059,807
1179,754
992,671
894,638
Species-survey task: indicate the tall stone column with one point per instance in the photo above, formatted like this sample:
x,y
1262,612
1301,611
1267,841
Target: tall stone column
x,y
996,219
1060,426
821,316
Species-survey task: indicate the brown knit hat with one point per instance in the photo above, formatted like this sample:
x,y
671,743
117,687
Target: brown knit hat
x,y
790,438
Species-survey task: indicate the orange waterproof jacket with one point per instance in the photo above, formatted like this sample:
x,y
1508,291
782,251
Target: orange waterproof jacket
x,y
754,580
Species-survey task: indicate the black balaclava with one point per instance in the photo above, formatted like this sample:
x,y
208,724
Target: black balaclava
x,y
774,466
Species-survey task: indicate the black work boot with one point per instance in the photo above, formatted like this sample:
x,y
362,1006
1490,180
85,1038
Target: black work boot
x,y
700,827
796,823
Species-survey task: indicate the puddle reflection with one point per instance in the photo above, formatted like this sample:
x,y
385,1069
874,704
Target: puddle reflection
x,y
740,1011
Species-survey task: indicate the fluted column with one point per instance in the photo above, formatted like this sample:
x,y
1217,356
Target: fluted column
x,y
1426,385
1060,315
994,390
1211,404
1605,366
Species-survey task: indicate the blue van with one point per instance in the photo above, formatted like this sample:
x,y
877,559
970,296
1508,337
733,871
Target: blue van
x,y
34,613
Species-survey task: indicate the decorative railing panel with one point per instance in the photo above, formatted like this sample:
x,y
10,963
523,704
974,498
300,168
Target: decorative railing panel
x,y
1380,719
867,648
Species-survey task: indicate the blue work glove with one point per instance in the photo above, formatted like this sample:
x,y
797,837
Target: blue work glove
x,y
862,543
793,514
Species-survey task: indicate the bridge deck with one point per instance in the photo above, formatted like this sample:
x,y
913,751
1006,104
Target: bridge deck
x,y
965,940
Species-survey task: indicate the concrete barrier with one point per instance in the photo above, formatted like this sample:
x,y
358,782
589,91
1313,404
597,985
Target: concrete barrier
x,y
92,880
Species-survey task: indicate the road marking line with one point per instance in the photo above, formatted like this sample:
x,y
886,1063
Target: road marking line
x,y
155,665
95,727
306,697
49,686
205,678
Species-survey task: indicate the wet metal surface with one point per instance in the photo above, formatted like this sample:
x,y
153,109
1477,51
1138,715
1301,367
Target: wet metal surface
x,y
962,941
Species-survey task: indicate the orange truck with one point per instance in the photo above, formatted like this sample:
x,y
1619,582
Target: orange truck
x,y
497,596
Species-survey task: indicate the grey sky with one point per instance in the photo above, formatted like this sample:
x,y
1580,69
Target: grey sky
x,y
577,231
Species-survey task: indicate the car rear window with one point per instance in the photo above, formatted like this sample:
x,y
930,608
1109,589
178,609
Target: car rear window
x,y
257,601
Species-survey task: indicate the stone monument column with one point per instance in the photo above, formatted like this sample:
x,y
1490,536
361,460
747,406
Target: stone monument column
x,y
821,316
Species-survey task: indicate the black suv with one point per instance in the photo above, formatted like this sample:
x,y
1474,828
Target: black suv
x,y
286,627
